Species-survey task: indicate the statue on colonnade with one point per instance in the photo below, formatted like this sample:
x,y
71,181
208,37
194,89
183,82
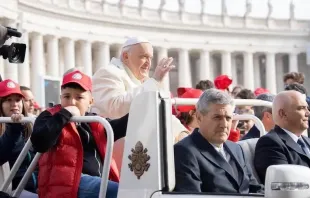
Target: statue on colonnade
x,y
141,4
181,8
203,6
270,9
292,10
224,8
248,8
121,4
161,7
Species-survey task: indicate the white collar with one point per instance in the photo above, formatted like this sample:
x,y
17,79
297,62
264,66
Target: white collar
x,y
118,63
218,149
292,135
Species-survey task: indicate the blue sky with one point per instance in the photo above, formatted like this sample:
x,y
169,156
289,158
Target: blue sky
x,y
235,7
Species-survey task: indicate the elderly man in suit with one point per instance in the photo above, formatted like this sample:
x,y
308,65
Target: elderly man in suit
x,y
264,114
285,144
206,161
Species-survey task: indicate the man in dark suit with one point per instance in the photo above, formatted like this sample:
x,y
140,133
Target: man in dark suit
x,y
206,161
285,143
264,114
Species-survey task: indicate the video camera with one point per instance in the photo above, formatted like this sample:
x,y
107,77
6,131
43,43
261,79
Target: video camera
x,y
15,52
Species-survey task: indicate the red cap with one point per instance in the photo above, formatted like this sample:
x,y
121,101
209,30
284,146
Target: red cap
x,y
222,82
182,90
190,93
8,87
79,78
260,90
36,105
174,111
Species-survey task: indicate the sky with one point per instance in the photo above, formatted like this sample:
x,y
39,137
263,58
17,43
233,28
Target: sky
x,y
281,8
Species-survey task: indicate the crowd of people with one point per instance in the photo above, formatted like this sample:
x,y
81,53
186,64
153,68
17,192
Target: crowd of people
x,y
207,157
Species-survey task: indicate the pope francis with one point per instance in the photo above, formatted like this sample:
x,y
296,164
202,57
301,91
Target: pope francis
x,y
116,85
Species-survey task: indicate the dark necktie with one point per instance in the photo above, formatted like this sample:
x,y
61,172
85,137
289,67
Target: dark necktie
x,y
303,146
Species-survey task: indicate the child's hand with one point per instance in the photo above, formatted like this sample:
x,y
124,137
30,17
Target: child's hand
x,y
17,117
73,110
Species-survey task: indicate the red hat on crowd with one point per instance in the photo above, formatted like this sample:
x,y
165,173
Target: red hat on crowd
x,y
8,87
36,105
260,90
182,90
222,82
79,78
174,111
189,93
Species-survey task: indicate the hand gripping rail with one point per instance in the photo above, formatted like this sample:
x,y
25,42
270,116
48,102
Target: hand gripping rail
x,y
22,155
107,157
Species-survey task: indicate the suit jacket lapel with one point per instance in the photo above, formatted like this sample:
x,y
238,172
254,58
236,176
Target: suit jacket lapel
x,y
232,152
209,152
289,141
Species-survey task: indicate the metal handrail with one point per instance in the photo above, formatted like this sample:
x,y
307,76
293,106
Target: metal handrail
x,y
257,121
22,155
237,102
107,157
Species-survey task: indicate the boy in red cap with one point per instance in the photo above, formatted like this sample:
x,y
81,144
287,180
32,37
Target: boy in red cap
x,y
73,153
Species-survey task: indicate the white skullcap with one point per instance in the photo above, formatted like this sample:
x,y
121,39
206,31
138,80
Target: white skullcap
x,y
134,41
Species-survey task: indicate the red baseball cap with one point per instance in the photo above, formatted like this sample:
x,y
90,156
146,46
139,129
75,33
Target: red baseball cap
x,y
222,82
79,78
260,90
36,105
8,87
190,93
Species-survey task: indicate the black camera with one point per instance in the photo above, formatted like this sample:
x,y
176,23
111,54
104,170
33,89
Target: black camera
x,y
14,52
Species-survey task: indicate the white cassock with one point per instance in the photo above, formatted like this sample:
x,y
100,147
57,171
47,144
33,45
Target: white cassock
x,y
115,87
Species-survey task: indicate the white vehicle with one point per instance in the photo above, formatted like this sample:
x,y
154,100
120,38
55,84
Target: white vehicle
x,y
148,160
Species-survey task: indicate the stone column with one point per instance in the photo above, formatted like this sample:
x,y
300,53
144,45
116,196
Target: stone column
x,y
257,76
271,72
293,62
184,70
204,68
52,56
248,71
102,55
226,63
69,54
37,62
86,57
24,68
163,53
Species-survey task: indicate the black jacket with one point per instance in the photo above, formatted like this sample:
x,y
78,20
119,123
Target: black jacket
x,y
253,133
48,127
11,144
277,147
200,168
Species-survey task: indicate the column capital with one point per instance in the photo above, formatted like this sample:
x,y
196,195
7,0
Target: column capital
x,y
51,36
34,35
294,53
65,39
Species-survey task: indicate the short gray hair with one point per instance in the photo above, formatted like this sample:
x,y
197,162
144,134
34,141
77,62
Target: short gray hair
x,y
213,96
124,49
259,110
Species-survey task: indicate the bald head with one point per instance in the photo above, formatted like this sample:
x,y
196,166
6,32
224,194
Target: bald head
x,y
289,111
